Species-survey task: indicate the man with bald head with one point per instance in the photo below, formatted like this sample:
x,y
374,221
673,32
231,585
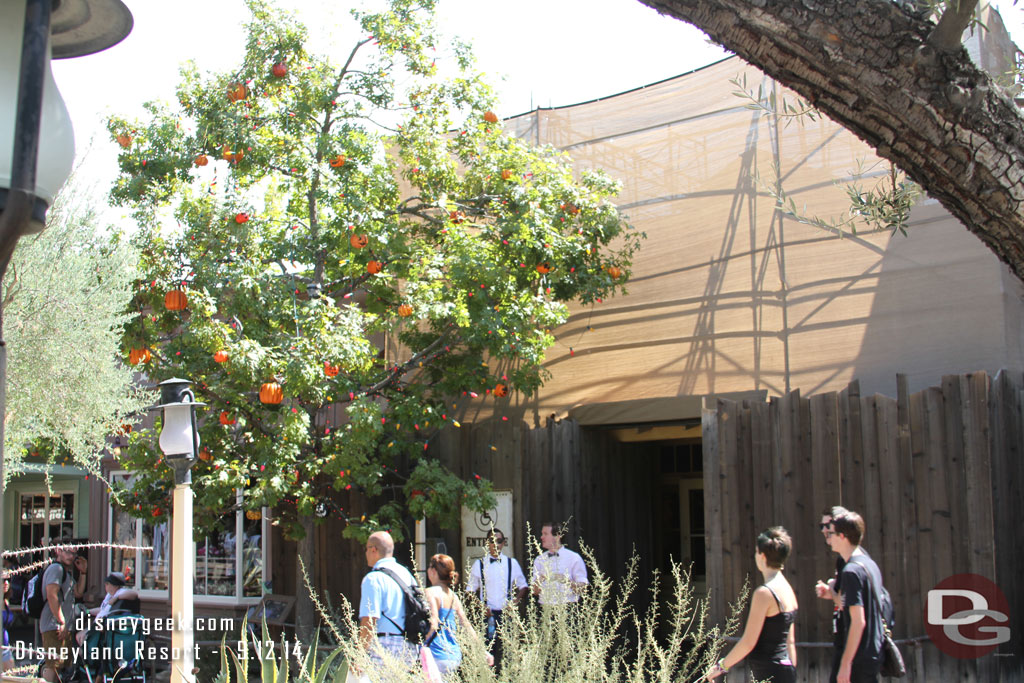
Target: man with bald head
x,y
382,602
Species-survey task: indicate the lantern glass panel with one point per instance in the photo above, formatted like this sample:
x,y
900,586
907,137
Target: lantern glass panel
x,y
176,435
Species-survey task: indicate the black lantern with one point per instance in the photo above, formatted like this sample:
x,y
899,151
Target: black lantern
x,y
179,435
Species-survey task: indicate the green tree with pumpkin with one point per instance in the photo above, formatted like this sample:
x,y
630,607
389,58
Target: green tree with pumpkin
x,y
333,252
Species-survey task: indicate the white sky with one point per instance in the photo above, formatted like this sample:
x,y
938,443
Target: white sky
x,y
535,52
552,52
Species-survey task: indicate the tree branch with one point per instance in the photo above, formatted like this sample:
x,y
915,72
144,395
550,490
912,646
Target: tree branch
x,y
870,67
955,20
425,354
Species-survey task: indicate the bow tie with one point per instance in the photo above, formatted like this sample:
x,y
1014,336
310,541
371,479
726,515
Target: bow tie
x,y
553,554
494,559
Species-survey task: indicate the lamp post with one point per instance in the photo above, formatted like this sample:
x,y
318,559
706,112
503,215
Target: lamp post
x,y
179,442
37,145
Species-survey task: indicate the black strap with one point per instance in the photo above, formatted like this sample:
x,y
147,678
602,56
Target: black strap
x,y
60,586
410,601
483,580
874,590
779,604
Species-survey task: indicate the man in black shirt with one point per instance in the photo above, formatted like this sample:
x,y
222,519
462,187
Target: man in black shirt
x,y
858,653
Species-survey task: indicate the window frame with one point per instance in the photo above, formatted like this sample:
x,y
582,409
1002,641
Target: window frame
x,y
58,488
199,598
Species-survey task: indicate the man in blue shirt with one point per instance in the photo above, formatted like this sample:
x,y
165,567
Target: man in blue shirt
x,y
382,604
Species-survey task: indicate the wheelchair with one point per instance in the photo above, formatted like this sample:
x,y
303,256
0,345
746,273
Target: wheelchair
x,y
109,654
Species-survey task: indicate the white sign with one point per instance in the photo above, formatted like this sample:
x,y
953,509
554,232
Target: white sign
x,y
475,526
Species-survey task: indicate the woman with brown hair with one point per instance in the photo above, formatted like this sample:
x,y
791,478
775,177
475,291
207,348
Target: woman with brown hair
x,y
445,613
768,643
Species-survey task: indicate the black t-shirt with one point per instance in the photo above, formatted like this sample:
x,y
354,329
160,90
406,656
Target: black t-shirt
x,y
854,589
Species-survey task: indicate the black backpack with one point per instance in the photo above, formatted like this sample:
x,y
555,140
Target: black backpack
x,y
417,612
34,598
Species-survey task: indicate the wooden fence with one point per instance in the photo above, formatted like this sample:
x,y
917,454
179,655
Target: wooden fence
x,y
936,475
562,472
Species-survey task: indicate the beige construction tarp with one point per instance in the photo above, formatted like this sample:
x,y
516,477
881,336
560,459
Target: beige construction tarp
x,y
729,294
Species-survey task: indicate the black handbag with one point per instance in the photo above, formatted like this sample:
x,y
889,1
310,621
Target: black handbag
x,y
892,658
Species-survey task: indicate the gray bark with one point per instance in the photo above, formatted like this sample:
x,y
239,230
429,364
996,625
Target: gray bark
x,y
870,66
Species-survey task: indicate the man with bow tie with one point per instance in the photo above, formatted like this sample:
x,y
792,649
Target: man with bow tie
x,y
559,574
492,578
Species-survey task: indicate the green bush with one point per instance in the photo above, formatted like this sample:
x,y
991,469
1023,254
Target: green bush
x,y
600,638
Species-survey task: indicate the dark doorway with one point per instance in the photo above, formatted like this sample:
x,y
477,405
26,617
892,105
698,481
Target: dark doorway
x,y
679,511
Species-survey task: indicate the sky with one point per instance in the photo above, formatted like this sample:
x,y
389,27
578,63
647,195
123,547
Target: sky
x,y
537,53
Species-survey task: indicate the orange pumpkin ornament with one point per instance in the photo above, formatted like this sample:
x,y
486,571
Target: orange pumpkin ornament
x,y
358,241
124,140
237,92
374,267
456,216
338,161
615,272
271,393
230,155
226,419
543,268
405,310
500,390
280,70
175,300
331,370
253,515
490,117
221,357
136,356
241,218
570,208
506,174
205,455
202,160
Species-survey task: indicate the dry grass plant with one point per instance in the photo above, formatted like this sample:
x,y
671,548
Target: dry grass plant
x,y
602,638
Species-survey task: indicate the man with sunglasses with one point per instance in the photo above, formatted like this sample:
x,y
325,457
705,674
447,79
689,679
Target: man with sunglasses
x,y
829,590
858,643
491,579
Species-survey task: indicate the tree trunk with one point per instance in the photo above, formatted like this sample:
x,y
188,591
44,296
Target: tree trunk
x,y
869,66
306,617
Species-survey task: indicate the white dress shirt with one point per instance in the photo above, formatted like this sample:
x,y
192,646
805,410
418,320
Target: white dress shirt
x,y
555,572
496,579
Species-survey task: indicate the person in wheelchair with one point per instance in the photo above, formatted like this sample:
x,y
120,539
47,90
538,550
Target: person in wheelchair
x,y
119,599
108,647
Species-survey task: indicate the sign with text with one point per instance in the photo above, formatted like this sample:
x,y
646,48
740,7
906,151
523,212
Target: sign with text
x,y
475,526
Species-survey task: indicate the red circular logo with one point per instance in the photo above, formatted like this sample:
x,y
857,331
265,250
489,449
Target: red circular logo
x,y
967,616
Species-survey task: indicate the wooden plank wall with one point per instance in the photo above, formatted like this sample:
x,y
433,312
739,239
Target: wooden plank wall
x,y
559,472
936,474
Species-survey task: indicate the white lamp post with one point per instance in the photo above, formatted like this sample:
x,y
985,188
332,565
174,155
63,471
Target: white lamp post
x,y
179,441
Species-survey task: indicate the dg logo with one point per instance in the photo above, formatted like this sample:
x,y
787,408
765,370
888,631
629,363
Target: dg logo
x,y
963,616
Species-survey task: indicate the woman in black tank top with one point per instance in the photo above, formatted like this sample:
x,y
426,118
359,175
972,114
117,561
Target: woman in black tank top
x,y
768,643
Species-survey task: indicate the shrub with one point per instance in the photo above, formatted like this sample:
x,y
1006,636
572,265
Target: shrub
x,y
600,638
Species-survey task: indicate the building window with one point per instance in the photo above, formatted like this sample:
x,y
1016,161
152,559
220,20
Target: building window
x,y
45,517
225,567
